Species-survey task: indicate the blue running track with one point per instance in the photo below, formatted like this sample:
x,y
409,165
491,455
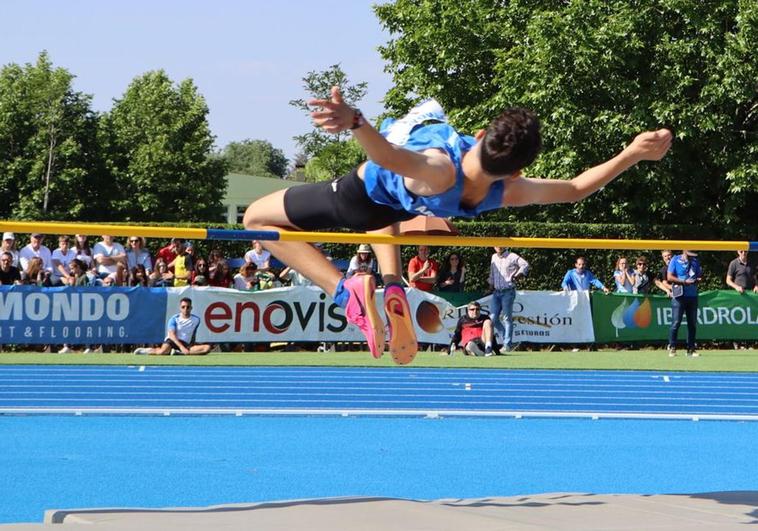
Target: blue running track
x,y
351,391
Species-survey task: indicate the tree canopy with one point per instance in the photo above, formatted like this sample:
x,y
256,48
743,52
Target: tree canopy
x,y
255,157
597,72
50,165
158,146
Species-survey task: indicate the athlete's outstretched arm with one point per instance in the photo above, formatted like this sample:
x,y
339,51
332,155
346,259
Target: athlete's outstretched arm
x,y
432,166
521,191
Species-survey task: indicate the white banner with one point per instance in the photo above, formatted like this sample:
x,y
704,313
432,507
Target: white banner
x,y
308,314
550,317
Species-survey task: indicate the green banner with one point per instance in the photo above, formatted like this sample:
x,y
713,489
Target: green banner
x,y
721,315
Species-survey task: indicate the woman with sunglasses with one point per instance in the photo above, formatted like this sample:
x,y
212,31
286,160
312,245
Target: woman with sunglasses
x,y
138,255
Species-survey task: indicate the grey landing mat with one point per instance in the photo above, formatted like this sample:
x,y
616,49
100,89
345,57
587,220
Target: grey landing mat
x,y
555,511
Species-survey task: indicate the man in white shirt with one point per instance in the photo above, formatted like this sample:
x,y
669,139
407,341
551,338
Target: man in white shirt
x,y
62,258
108,254
506,268
180,334
33,250
258,256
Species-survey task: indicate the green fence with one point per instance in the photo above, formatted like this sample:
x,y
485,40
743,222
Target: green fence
x,y
722,315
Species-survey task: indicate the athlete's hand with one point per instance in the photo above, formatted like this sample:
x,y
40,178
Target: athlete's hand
x,y
651,145
332,115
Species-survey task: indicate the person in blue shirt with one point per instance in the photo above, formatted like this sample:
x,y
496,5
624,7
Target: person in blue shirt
x,y
684,273
419,165
580,278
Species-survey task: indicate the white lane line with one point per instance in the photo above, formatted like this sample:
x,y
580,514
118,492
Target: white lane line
x,y
342,412
346,403
263,389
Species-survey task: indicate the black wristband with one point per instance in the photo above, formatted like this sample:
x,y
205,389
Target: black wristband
x,y
358,119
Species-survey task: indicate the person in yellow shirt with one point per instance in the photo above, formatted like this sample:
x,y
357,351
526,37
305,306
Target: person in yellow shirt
x,y
182,265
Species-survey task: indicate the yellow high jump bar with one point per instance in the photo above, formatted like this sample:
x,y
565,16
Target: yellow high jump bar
x,y
96,229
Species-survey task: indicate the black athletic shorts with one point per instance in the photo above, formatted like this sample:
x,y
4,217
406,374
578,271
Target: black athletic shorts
x,y
341,203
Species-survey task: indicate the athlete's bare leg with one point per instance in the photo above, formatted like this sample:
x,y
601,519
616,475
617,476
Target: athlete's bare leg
x,y
267,213
388,256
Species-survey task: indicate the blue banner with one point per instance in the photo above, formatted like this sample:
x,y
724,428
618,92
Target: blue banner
x,y
81,315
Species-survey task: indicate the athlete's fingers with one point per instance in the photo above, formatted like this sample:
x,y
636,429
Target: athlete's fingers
x,y
323,114
326,104
337,95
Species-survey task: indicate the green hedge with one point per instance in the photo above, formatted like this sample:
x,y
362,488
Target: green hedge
x,y
547,265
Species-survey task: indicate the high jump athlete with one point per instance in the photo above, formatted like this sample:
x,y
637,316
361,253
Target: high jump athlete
x,y
418,165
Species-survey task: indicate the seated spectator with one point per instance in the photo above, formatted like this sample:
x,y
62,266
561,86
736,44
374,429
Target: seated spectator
x,y
741,275
84,253
222,276
580,278
107,255
181,330
138,255
200,273
117,278
138,276
643,282
35,274
473,332
293,278
9,274
623,276
361,262
35,249
168,253
258,256
423,270
8,245
266,280
78,276
246,280
214,258
62,258
452,274
161,277
182,265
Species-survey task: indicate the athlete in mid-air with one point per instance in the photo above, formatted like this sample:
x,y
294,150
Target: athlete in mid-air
x,y
418,165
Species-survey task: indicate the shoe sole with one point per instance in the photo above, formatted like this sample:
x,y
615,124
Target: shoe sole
x,y
372,314
403,344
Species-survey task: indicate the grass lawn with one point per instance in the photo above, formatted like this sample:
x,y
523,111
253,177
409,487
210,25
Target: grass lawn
x,y
657,360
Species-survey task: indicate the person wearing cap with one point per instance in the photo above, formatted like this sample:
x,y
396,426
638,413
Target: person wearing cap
x,y
35,249
684,273
361,262
8,245
473,332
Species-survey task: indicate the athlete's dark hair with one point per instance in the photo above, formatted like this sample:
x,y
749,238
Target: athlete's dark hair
x,y
512,142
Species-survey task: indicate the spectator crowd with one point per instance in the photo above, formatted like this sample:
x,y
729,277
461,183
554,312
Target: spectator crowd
x,y
79,262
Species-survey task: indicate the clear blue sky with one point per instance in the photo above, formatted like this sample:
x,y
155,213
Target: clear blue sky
x,y
247,57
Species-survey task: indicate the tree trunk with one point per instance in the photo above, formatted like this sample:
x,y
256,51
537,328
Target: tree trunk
x,y
49,171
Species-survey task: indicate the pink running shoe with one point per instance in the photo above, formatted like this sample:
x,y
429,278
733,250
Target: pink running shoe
x,y
361,311
403,344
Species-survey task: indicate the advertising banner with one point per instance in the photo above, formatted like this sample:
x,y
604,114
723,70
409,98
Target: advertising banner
x,y
550,317
307,314
81,316
721,315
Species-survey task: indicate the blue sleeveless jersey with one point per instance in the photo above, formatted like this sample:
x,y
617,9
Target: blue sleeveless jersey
x,y
388,188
